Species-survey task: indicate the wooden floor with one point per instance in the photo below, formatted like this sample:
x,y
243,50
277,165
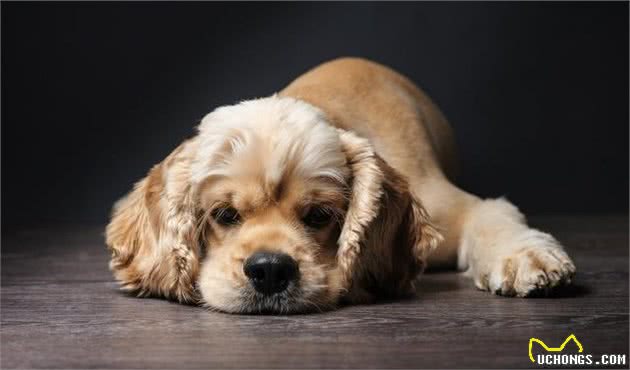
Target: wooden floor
x,y
61,309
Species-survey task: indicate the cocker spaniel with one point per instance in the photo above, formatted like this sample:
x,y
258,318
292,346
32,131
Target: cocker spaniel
x,y
335,190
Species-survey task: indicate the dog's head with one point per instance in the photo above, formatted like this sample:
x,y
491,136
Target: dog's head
x,y
270,209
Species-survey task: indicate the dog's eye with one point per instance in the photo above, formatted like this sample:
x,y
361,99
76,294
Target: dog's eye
x,y
317,217
226,216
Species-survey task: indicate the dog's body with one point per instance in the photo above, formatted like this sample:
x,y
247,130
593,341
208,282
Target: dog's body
x,y
391,156
406,129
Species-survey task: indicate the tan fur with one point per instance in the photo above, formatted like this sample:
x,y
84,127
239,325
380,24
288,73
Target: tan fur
x,y
410,133
152,233
351,135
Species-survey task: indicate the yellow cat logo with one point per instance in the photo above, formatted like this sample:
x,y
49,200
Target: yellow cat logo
x,y
553,349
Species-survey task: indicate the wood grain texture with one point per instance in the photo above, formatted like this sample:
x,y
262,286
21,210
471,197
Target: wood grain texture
x,y
61,309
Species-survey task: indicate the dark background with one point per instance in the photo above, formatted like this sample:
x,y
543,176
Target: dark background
x,y
93,94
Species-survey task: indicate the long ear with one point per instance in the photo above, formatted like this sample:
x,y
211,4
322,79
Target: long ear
x,y
153,233
387,234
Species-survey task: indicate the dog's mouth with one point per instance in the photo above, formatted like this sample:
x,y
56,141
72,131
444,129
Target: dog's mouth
x,y
285,302
293,300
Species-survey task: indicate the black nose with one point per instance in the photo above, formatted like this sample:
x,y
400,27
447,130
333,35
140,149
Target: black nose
x,y
270,272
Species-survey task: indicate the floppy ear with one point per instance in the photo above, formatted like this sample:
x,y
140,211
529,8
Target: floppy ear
x,y
153,233
387,234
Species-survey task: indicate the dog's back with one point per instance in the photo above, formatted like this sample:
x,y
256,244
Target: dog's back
x,y
406,128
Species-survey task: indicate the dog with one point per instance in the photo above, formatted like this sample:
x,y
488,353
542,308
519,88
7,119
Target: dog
x,y
336,190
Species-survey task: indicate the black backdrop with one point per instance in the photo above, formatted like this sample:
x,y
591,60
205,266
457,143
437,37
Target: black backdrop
x,y
93,94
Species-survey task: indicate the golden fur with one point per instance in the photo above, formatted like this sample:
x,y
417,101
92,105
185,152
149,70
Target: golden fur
x,y
355,138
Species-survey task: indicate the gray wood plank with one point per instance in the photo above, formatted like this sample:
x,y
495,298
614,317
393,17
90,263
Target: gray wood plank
x,y
61,309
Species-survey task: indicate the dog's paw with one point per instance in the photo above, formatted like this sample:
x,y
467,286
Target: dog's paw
x,y
530,271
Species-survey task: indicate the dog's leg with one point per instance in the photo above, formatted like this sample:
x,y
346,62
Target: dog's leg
x,y
493,244
505,256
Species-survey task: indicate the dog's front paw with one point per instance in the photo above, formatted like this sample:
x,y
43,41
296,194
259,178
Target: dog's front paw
x,y
530,270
